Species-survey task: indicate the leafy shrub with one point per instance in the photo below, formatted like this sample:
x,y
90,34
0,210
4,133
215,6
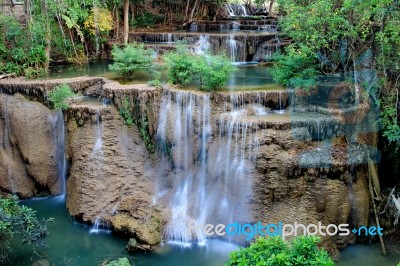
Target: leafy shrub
x,y
214,71
59,95
273,251
156,82
185,67
132,58
297,68
22,221
181,63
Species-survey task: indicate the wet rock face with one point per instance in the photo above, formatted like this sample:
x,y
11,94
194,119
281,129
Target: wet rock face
x,y
28,159
110,175
288,191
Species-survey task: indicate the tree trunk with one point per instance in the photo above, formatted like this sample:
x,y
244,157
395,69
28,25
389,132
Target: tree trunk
x,y
116,14
186,11
126,21
47,49
193,11
271,5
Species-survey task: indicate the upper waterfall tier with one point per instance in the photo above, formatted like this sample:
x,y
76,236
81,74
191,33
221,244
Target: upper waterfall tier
x,y
226,25
239,46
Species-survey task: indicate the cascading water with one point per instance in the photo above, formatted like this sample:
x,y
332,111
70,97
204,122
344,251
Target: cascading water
x,y
235,25
6,146
236,10
281,109
396,202
97,155
97,149
233,48
193,26
99,227
208,178
56,120
203,44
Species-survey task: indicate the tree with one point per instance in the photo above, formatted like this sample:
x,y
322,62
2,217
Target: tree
x,y
19,220
132,58
184,67
180,63
126,21
337,35
59,95
214,71
273,251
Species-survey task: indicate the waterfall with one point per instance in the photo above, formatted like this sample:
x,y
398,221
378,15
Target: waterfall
x,y
281,106
209,179
396,202
203,44
235,25
56,120
98,146
193,26
229,8
233,47
236,10
6,146
244,10
99,227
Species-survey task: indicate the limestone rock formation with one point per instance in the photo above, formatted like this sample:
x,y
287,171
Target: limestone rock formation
x,y
28,156
301,166
110,174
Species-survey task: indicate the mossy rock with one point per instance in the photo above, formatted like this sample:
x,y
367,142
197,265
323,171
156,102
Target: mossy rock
x,y
119,262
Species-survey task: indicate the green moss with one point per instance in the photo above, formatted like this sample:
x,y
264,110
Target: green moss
x,y
119,262
132,114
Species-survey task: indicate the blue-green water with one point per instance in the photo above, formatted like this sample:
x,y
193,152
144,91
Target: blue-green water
x,y
249,76
71,243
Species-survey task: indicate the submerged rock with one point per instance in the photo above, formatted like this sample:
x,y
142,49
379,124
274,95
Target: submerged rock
x,y
145,231
119,262
132,245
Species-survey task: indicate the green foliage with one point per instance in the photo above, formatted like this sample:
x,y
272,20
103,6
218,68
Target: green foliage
x,y
336,34
147,19
119,262
157,81
22,221
273,251
143,125
214,71
297,68
180,63
389,116
132,58
20,54
131,113
125,112
184,67
59,95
